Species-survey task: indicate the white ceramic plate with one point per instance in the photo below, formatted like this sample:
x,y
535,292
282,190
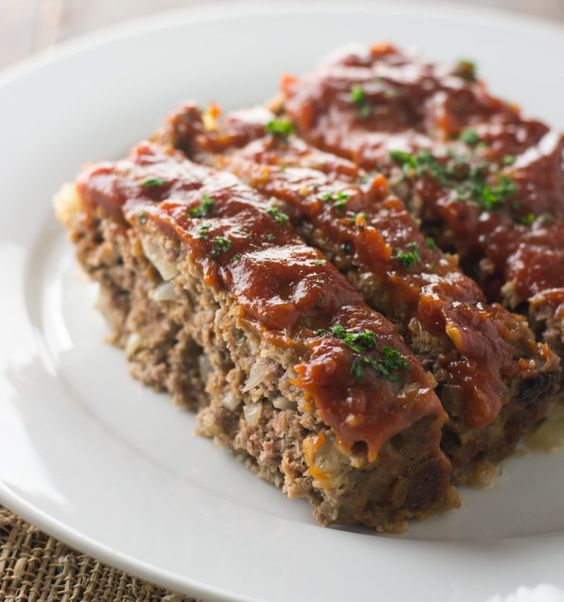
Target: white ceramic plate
x,y
97,460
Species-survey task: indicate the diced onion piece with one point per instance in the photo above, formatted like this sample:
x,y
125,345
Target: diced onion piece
x,y
133,343
283,403
164,292
252,412
155,254
230,402
257,373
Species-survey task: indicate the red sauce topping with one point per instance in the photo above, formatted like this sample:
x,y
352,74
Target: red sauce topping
x,y
363,379
365,105
350,208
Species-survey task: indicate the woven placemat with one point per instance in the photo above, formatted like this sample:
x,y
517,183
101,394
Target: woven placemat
x,y
35,567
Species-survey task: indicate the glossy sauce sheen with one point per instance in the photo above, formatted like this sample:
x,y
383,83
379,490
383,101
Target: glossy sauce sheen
x,y
480,341
412,105
287,288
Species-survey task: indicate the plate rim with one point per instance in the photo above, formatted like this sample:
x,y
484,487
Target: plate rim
x,y
183,17
244,8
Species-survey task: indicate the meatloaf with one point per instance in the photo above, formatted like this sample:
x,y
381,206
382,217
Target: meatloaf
x,y
217,300
493,379
486,181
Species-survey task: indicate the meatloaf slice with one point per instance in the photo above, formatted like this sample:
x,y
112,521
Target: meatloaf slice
x,y
494,379
217,300
484,180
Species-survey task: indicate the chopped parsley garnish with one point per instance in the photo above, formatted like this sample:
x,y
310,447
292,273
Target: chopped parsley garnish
x,y
204,209
356,369
278,216
508,160
152,182
387,365
339,199
466,70
408,258
357,341
393,360
203,231
279,127
319,261
489,197
470,137
402,157
528,219
422,163
467,178
220,245
430,243
358,97
357,94
236,257
270,237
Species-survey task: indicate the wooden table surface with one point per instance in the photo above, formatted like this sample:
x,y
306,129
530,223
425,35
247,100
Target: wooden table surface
x,y
27,26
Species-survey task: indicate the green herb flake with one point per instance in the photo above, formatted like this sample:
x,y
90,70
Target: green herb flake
x,y
204,209
387,365
152,182
470,137
358,98
319,261
203,232
357,371
527,220
469,180
508,160
466,70
408,258
270,237
430,243
357,341
278,216
357,94
402,157
236,257
220,245
339,199
279,127
393,360
491,198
